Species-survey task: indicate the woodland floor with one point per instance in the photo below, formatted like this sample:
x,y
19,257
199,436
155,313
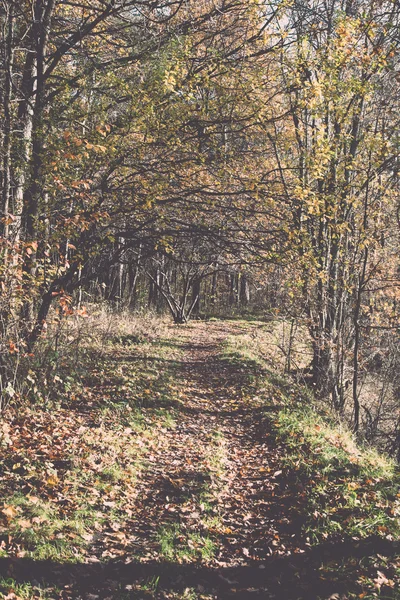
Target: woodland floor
x,y
194,501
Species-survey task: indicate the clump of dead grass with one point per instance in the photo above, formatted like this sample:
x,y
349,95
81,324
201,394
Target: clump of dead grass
x,y
99,325
72,343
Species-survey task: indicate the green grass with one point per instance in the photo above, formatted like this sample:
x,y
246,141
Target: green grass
x,y
350,490
41,531
346,481
26,591
178,544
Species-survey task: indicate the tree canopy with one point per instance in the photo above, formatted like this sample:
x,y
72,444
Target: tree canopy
x,y
180,150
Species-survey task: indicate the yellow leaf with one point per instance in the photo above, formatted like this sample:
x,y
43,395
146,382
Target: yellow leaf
x,y
10,511
52,480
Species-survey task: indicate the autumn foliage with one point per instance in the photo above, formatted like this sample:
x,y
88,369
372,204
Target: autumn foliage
x,y
194,157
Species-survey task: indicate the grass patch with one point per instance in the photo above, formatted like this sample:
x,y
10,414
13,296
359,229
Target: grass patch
x,y
351,491
25,591
180,545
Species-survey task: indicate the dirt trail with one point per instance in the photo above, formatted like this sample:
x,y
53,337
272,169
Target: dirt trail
x,y
218,445
214,514
217,476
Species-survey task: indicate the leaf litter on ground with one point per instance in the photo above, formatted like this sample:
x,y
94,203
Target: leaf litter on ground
x,y
187,479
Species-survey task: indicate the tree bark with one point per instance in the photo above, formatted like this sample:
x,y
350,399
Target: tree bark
x,y
8,73
196,285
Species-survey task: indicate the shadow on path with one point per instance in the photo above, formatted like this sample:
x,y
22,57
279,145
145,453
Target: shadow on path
x,y
286,578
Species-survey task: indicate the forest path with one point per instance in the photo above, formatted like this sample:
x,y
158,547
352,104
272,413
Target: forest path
x,y
171,482
210,489
214,515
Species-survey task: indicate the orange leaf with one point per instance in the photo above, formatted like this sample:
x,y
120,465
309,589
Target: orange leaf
x,y
10,511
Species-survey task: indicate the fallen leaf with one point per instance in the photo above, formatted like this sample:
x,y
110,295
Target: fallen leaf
x,y
10,511
24,523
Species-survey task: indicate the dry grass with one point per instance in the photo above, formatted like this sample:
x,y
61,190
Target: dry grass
x,y
99,325
274,342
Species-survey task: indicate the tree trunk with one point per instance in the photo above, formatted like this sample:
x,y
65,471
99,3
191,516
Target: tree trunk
x,y
42,13
214,285
195,300
233,289
23,151
244,290
8,73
